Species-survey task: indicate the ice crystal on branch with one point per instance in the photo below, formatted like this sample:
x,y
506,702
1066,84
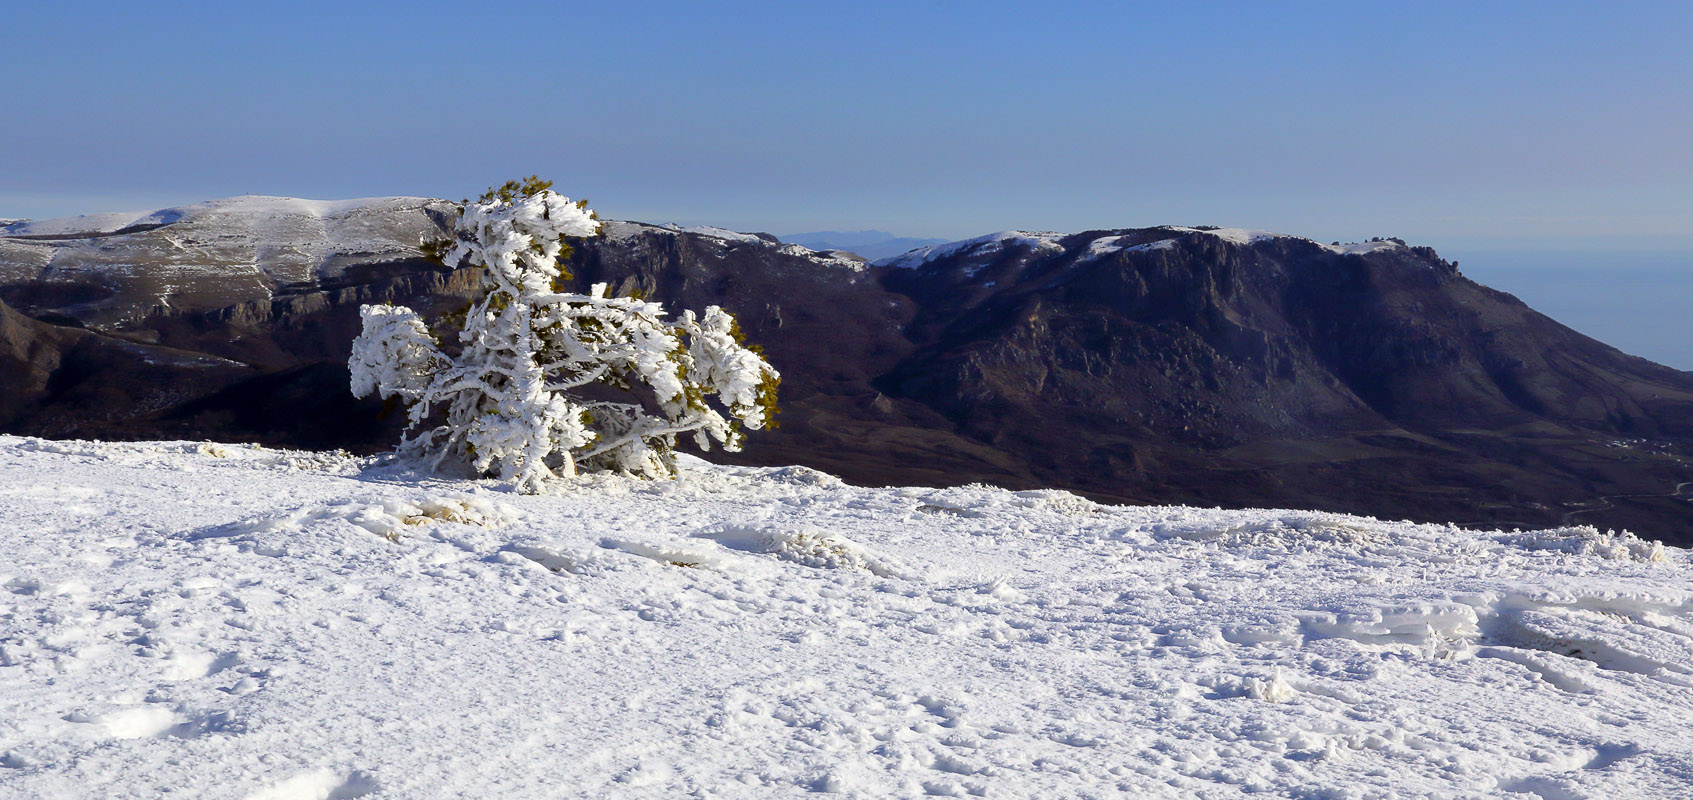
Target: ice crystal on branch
x,y
512,397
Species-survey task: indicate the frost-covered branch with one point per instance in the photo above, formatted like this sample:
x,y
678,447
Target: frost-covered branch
x,y
508,396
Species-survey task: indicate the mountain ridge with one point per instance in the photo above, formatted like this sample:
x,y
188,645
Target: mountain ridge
x,y
872,244
1169,364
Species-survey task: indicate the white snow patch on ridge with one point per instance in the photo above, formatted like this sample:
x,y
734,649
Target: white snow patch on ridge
x,y
1106,245
228,621
248,210
832,258
718,233
1036,241
620,231
1362,248
1242,236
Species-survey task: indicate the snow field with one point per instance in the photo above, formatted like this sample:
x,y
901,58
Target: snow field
x,y
226,621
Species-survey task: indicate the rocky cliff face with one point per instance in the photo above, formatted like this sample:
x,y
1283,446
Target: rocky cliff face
x,y
67,381
1227,367
1157,365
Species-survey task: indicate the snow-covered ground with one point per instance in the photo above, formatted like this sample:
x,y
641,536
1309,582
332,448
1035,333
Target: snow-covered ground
x,y
221,621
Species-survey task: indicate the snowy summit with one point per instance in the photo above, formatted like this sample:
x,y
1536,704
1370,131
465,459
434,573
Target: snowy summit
x,y
1049,242
318,626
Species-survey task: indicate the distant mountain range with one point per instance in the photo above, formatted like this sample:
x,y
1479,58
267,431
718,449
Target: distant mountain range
x,y
1192,365
870,244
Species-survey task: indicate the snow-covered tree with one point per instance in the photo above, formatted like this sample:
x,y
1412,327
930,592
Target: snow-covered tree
x,y
512,396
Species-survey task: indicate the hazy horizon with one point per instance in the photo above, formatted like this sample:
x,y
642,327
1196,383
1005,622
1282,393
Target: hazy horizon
x,y
1508,122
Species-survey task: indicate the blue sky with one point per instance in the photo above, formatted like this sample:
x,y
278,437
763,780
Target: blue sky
x,y
1548,146
1479,126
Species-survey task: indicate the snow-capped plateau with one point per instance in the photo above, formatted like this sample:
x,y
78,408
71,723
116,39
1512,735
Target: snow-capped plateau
x,y
118,268
248,212
623,231
1048,242
1036,241
213,254
225,621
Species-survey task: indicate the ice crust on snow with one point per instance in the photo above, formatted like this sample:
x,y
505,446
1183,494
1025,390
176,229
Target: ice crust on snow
x,y
229,621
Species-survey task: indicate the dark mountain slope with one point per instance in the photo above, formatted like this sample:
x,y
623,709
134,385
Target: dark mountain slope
x,y
1197,369
66,381
1158,365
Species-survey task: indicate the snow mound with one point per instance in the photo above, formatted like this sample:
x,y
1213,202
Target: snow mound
x,y
978,501
1585,540
1272,690
808,546
1057,501
668,554
1286,531
390,519
164,454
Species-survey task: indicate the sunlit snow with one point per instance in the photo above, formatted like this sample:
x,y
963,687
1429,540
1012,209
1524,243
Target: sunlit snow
x,y
227,621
